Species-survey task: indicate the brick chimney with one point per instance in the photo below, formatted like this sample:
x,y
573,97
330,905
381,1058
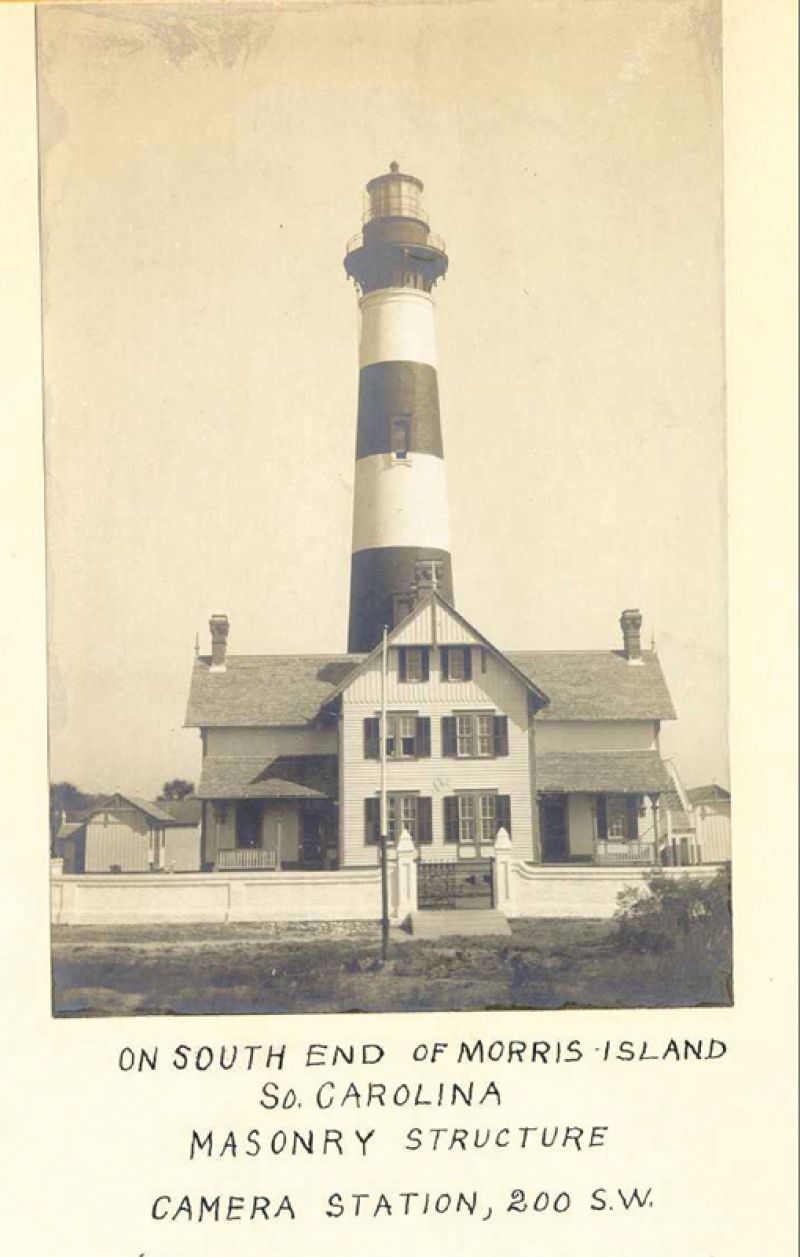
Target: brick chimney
x,y
631,624
219,626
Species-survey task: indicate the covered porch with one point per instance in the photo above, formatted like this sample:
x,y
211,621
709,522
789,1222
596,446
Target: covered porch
x,y
603,808
269,815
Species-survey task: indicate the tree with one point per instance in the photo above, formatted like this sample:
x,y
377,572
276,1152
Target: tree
x,y
65,798
176,789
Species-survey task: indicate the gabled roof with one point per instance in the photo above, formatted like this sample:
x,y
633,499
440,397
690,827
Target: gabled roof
x,y
366,660
284,690
709,794
602,772
278,777
291,690
67,828
152,810
597,684
183,811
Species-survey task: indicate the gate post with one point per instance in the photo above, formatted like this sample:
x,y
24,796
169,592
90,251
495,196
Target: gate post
x,y
502,872
406,864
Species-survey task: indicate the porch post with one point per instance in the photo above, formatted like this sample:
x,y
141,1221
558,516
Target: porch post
x,y
502,872
656,834
406,874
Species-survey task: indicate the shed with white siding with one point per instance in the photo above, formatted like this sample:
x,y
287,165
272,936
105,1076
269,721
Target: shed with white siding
x,y
126,835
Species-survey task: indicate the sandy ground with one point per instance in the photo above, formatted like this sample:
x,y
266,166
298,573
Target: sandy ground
x,y
140,970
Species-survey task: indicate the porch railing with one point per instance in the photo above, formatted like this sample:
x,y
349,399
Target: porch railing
x,y
615,853
231,859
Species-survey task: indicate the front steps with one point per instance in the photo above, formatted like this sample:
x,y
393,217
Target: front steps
x,y
458,921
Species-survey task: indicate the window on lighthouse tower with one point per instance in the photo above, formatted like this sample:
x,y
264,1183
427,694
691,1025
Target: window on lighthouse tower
x,y
400,436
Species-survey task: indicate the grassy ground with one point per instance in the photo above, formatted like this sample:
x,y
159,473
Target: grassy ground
x,y
102,971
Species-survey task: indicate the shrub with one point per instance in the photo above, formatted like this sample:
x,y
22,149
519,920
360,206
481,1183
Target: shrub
x,y
674,912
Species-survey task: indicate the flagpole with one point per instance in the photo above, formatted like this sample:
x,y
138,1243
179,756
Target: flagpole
x,y
384,805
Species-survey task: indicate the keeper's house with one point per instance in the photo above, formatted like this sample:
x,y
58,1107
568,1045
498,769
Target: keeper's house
x,y
559,748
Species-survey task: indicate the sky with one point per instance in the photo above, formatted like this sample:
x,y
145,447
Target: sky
x,y
201,172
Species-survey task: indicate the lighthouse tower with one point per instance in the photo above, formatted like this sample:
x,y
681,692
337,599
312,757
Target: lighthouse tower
x,y
400,525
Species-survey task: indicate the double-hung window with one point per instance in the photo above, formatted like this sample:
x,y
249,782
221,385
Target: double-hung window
x,y
413,663
408,736
617,816
402,815
412,812
474,735
487,817
465,736
474,816
484,735
456,663
401,736
466,817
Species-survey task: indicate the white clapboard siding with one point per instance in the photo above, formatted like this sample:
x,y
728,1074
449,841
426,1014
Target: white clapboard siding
x,y
714,833
493,685
435,624
496,689
116,845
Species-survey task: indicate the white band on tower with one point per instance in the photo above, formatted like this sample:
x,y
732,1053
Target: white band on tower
x,y
401,504
397,326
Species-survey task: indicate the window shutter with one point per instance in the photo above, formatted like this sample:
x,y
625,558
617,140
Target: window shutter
x,y
424,819
501,735
632,817
426,663
423,737
450,817
401,662
445,658
602,816
449,735
372,820
372,729
467,663
503,813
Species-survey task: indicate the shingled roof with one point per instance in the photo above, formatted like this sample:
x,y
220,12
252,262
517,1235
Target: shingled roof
x,y
290,689
602,772
709,794
264,689
183,811
597,684
276,777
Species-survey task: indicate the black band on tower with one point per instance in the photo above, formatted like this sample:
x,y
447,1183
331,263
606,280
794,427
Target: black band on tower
x,y
376,578
398,390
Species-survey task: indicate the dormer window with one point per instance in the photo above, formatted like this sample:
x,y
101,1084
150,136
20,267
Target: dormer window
x,y
413,663
456,663
400,436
